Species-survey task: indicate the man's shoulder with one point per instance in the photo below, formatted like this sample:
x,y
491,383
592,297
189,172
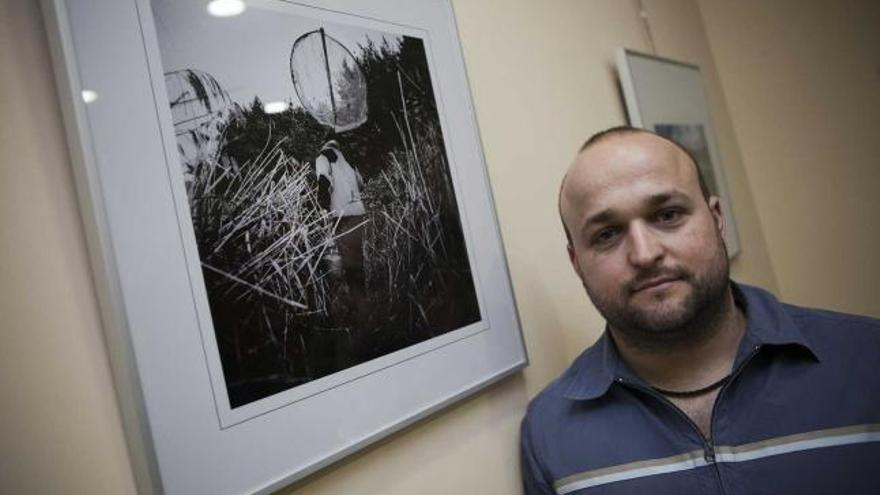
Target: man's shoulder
x,y
551,396
559,395
819,323
833,328
828,318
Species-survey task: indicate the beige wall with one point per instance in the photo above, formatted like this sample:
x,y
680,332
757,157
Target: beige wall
x,y
59,425
542,79
802,81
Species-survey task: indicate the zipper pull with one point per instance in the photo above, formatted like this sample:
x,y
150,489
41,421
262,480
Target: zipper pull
x,y
710,453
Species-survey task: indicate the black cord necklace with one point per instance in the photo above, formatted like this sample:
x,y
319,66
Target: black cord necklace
x,y
692,393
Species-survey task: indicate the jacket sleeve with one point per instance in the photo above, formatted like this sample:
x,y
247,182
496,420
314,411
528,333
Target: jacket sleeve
x,y
322,171
324,189
322,167
533,478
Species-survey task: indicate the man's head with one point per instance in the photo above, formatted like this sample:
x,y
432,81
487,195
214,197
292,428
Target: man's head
x,y
645,237
621,131
331,144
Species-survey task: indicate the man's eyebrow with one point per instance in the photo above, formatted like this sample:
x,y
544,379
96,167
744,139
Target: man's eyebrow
x,y
664,197
603,216
653,200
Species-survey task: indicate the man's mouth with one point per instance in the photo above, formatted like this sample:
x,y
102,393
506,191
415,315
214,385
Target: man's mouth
x,y
655,283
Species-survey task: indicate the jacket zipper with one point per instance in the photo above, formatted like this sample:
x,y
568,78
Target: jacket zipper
x,y
708,446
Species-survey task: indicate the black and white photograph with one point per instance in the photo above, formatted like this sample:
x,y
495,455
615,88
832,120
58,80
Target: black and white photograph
x,y
692,137
319,188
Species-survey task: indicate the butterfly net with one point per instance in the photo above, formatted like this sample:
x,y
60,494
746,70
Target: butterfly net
x,y
328,81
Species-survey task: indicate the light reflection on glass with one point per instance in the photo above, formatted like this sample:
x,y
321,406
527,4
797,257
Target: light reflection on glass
x,y
275,107
225,8
89,96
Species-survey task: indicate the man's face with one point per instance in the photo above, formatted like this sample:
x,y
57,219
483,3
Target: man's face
x,y
645,243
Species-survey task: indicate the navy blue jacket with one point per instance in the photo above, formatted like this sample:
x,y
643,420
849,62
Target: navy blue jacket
x,y
800,415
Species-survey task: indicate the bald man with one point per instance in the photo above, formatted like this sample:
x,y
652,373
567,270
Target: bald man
x,y
699,384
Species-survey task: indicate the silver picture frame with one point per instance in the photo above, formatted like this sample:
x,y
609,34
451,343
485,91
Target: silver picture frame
x,y
184,434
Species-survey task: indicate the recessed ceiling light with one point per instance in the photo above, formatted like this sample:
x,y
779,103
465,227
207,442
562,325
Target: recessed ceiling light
x,y
225,8
275,107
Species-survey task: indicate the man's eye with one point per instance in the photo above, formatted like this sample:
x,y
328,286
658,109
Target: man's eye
x,y
669,216
605,236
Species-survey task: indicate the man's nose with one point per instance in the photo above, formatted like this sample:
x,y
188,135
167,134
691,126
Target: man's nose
x,y
645,248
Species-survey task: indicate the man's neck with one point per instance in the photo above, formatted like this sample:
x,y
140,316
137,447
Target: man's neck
x,y
690,365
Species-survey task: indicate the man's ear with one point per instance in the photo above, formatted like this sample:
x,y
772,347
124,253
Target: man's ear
x,y
717,215
572,258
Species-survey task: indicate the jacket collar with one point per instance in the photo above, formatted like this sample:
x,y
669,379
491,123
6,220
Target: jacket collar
x,y
768,324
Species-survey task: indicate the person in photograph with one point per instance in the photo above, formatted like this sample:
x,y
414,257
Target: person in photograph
x,y
699,384
339,192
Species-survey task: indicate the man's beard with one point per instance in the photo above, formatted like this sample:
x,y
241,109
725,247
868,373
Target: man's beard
x,y
666,324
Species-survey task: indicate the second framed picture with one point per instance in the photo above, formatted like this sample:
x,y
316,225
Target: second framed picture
x,y
669,97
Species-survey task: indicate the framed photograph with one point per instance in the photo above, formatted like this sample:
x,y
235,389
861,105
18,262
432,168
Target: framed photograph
x,y
669,98
291,227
